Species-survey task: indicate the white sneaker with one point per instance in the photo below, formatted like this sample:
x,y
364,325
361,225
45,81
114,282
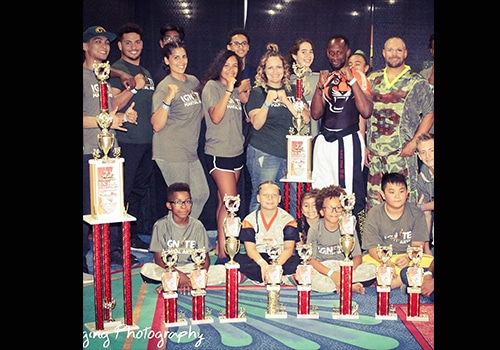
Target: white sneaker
x,y
88,278
152,271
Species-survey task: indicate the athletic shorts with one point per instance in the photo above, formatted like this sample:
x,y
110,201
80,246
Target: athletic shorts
x,y
224,163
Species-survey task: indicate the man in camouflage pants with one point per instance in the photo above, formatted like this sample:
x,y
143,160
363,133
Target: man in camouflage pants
x,y
403,109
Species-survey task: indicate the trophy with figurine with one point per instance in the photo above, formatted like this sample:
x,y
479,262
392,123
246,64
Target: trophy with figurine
x,y
232,226
274,274
198,279
415,275
169,281
385,311
347,224
304,273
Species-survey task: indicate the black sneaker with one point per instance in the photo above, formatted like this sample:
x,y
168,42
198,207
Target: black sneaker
x,y
138,244
116,258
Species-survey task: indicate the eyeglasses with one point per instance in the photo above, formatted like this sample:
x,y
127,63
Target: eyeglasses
x,y
236,43
170,39
179,203
331,209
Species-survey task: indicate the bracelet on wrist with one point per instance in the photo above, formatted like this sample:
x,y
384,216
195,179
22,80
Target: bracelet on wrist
x,y
352,81
428,273
329,274
229,91
134,91
265,104
165,106
260,261
125,119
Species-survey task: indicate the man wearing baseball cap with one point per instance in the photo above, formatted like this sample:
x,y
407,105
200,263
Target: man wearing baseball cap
x,y
96,45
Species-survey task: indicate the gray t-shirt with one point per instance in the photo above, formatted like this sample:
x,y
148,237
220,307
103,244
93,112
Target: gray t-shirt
x,y
326,244
226,138
178,140
168,235
379,228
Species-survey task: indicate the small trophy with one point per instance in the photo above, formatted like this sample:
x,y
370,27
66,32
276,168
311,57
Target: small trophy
x,y
170,281
232,226
304,273
274,274
198,279
415,275
385,311
347,224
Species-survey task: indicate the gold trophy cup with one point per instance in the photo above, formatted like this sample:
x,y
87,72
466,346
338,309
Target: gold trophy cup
x,y
232,226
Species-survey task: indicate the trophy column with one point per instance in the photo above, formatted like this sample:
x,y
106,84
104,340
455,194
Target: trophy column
x,y
106,195
170,280
385,311
415,275
304,273
273,277
299,149
198,279
232,226
347,227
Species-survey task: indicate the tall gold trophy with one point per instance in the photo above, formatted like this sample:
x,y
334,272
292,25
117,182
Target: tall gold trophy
x,y
385,311
170,280
347,224
299,140
107,207
198,279
232,226
415,275
274,274
304,278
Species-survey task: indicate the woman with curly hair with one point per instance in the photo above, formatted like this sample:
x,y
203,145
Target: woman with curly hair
x,y
224,156
271,109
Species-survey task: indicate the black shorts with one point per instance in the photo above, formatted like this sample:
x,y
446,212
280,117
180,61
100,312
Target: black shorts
x,y
224,163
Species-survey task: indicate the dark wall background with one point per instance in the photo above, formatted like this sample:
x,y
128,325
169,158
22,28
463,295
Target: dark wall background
x,y
367,24
206,23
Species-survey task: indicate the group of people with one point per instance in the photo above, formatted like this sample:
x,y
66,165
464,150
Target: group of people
x,y
370,129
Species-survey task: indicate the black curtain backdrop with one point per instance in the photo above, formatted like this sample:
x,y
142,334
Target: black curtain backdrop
x,y
367,24
206,23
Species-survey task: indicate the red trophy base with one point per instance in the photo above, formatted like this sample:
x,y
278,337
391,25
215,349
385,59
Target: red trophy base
x,y
304,302
198,308
413,311
384,311
345,293
171,310
232,314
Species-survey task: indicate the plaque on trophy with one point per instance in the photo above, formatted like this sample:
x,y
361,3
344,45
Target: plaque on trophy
x,y
274,273
304,278
415,276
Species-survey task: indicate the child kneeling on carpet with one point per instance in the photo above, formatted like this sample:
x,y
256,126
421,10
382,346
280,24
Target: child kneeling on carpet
x,y
272,225
324,237
178,230
395,222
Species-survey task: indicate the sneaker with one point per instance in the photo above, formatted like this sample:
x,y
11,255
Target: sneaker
x,y
116,258
257,283
152,272
138,244
88,278
221,261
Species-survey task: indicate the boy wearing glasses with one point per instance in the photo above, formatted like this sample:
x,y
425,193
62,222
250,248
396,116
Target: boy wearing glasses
x,y
324,237
178,230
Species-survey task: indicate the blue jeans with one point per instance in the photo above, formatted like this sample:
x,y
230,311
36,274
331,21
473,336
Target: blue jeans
x,y
262,167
